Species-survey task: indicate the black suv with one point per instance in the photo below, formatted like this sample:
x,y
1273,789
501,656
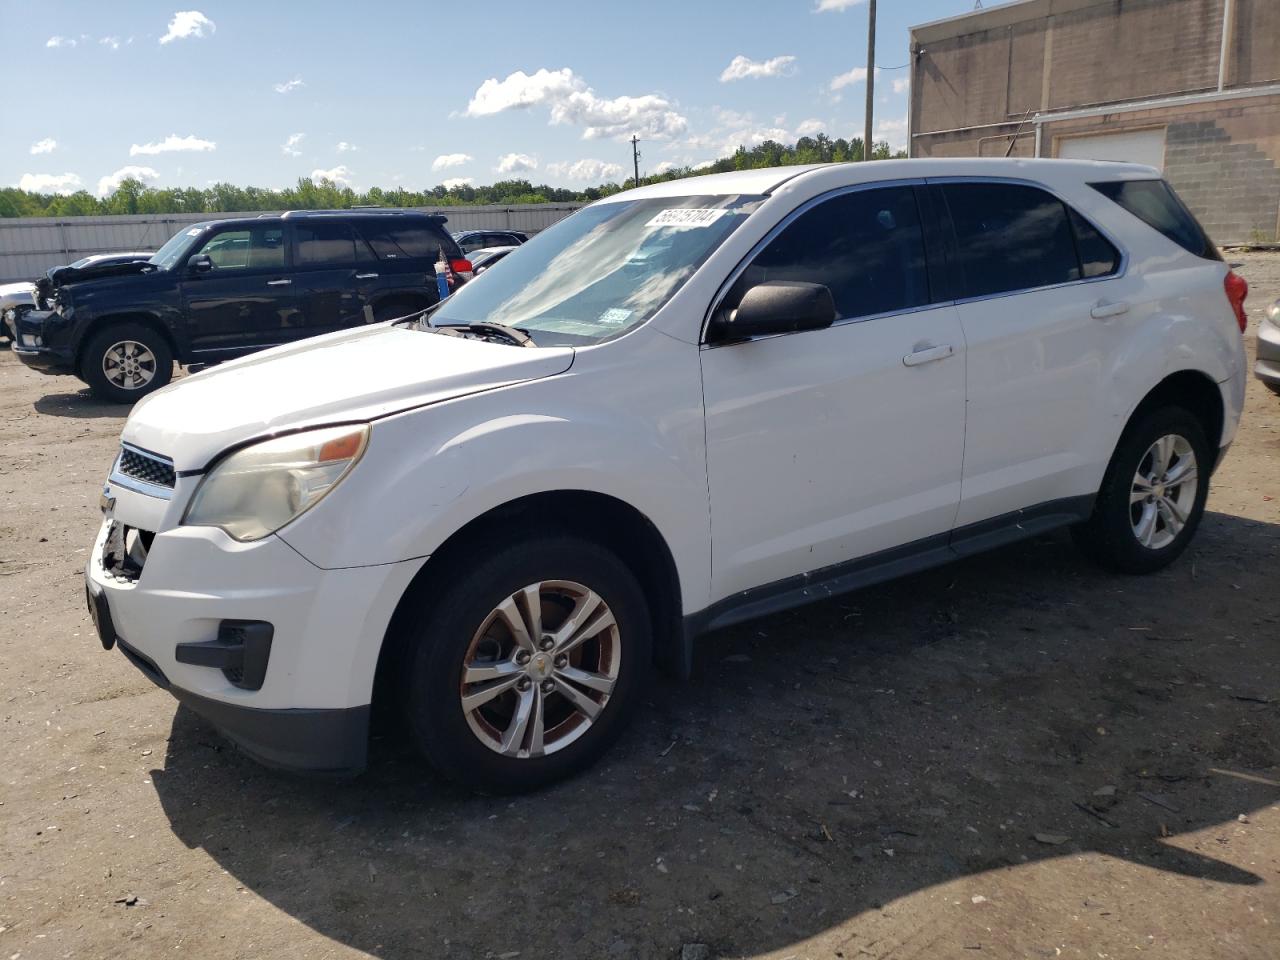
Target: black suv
x,y
225,288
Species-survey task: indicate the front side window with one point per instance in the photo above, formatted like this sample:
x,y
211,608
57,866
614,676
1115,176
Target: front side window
x,y
324,244
253,248
866,247
1010,237
602,271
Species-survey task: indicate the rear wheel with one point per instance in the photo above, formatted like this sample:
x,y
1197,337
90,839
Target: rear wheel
x,y
530,664
126,361
1153,494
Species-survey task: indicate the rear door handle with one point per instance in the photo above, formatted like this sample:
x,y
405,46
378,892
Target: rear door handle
x,y
1107,308
279,283
928,355
366,276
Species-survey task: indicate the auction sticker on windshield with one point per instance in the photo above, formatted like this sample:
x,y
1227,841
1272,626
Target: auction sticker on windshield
x,y
684,217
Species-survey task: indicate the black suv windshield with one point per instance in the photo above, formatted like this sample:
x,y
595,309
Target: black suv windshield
x,y
176,247
600,272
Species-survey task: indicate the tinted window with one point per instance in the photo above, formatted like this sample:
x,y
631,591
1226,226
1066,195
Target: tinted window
x,y
256,248
473,242
867,247
324,244
401,241
1097,256
1155,204
1010,237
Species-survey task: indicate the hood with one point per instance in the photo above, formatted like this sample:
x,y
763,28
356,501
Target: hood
x,y
62,276
343,377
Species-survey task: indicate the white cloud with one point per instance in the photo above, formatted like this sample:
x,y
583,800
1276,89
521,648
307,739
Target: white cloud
x,y
339,175
856,75
704,164
447,160
892,131
901,84
108,184
454,182
47,145
172,144
56,42
809,128
111,42
289,85
570,100
664,166
290,147
516,163
740,68
188,23
827,6
50,183
344,147
594,171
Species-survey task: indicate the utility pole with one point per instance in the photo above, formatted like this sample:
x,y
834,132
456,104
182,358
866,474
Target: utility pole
x,y
635,154
871,78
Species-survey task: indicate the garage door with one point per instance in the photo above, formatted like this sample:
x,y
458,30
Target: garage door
x,y
1134,146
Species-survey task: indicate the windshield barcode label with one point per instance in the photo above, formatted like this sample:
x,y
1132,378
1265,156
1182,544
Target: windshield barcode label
x,y
686,217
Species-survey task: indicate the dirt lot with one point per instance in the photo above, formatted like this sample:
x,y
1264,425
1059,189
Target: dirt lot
x,y
863,778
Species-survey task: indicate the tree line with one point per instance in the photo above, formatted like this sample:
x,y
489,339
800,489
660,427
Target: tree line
x,y
135,197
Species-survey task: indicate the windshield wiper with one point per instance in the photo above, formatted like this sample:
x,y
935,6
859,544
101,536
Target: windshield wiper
x,y
518,337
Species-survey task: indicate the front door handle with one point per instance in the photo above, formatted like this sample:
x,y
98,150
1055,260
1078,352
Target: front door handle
x,y
928,354
1107,308
279,283
366,276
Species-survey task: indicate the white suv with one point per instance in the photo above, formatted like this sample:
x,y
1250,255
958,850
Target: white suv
x,y
683,406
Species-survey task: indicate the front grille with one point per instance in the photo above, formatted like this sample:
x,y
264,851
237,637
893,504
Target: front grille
x,y
146,467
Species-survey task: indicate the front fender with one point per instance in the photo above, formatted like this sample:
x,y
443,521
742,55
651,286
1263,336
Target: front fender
x,y
427,473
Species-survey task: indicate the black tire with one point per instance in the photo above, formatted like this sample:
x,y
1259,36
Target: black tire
x,y
439,639
1108,537
152,374
1273,387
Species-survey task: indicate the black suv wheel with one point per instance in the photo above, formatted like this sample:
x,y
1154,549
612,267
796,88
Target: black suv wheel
x,y
126,361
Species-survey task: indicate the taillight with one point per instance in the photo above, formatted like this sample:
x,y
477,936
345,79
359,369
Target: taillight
x,y
1237,288
461,267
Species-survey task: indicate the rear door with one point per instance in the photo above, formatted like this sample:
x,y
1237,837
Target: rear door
x,y
246,301
325,265
1044,304
402,274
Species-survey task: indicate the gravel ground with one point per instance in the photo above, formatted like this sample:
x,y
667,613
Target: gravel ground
x,y
1014,756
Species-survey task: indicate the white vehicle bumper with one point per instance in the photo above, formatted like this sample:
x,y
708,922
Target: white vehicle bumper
x,y
309,638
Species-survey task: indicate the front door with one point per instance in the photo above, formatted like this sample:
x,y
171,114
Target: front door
x,y
830,445
245,301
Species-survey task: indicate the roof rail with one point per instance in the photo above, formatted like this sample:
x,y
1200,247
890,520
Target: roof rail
x,y
362,211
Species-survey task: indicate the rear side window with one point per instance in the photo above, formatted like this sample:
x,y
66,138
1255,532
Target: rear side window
x,y
325,244
403,242
1155,204
1010,237
867,247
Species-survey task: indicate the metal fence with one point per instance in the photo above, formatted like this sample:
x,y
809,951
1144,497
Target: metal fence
x,y
31,245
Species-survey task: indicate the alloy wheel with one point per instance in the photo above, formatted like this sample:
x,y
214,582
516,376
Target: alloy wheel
x,y
129,364
1164,491
541,669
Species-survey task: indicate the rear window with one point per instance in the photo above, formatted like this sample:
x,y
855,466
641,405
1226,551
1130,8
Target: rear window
x,y
406,241
1155,204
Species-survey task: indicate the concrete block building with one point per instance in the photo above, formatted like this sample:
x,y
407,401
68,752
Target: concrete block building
x,y
1191,87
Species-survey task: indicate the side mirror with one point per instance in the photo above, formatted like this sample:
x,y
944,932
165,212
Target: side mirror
x,y
200,264
779,306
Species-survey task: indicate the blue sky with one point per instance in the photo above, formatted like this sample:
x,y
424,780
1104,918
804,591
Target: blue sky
x,y
415,94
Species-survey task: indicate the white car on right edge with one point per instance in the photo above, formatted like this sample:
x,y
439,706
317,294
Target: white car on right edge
x,y
682,407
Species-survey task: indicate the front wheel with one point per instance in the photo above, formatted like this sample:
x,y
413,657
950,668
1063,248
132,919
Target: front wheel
x,y
529,663
125,362
1153,494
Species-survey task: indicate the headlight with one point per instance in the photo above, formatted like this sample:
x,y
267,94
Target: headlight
x,y
257,490
1273,313
11,314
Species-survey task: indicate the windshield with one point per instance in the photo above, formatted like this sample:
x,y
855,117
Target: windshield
x,y
600,272
168,256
